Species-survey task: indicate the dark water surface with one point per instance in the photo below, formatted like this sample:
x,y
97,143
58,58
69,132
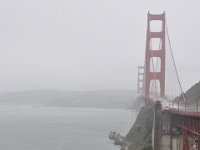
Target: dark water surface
x,y
54,128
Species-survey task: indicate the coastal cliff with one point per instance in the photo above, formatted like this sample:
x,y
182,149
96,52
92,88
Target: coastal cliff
x,y
139,136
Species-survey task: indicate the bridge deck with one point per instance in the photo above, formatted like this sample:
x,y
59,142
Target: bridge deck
x,y
182,112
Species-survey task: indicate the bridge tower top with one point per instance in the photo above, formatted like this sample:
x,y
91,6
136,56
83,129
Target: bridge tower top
x,y
150,74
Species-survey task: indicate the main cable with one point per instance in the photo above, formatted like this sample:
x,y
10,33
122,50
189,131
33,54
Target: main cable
x,y
171,51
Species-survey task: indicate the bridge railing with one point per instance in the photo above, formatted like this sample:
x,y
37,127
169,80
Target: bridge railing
x,y
179,106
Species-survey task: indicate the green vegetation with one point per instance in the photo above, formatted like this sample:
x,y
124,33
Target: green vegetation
x,y
191,95
147,147
139,135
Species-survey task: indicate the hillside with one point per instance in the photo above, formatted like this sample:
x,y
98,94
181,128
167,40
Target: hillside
x,y
139,136
191,94
92,99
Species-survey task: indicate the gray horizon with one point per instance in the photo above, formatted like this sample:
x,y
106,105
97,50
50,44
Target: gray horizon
x,y
91,44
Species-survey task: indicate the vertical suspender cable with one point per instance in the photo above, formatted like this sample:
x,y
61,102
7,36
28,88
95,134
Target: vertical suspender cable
x,y
174,63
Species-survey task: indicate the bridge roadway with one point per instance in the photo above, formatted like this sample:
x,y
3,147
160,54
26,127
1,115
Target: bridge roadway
x,y
181,109
175,126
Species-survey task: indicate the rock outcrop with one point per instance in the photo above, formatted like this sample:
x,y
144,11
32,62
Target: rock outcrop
x,y
140,134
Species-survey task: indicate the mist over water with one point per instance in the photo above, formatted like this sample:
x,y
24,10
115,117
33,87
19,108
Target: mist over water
x,y
48,47
25,127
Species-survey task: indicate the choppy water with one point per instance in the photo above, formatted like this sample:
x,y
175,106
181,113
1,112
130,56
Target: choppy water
x,y
53,128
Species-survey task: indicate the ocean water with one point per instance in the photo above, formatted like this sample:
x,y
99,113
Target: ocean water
x,y
53,128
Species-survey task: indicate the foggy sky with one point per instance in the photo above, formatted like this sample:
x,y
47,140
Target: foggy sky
x,y
90,44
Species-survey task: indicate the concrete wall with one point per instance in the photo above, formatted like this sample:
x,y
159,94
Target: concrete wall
x,y
165,136
171,142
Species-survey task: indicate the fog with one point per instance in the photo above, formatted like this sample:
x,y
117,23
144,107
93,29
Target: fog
x,y
89,44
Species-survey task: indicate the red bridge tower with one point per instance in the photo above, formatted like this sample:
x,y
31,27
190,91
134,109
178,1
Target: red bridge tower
x,y
152,53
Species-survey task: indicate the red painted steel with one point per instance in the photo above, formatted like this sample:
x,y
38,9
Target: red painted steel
x,y
149,76
191,125
183,112
140,83
185,140
187,121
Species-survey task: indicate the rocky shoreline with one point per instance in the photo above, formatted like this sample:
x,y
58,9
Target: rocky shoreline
x,y
139,136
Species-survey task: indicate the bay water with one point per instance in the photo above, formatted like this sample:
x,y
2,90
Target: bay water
x,y
24,127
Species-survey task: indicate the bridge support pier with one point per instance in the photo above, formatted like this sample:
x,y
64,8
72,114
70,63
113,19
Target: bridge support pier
x,y
156,135
198,143
164,134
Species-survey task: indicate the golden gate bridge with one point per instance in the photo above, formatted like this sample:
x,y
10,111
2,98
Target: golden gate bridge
x,y
176,118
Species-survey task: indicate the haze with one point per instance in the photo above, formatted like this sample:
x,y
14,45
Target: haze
x,y
89,44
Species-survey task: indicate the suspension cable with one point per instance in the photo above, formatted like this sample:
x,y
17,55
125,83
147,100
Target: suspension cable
x,y
171,51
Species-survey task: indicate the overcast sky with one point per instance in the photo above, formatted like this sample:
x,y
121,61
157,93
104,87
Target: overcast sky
x,y
90,44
